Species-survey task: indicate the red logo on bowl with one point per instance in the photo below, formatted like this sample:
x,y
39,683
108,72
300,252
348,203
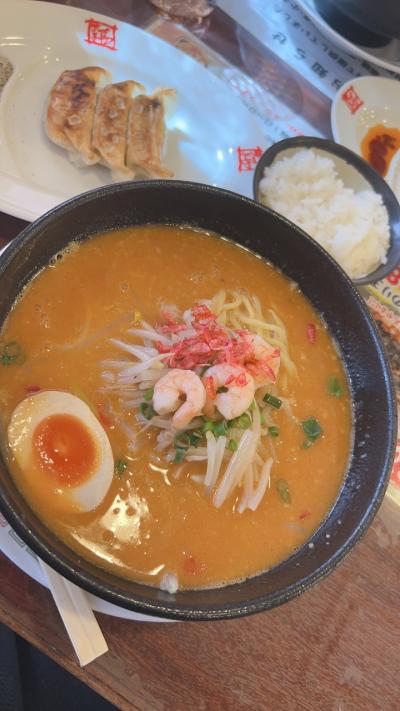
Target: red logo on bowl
x,y
101,34
352,100
247,158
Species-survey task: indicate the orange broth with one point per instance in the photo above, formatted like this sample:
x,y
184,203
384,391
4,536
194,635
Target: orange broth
x,y
150,522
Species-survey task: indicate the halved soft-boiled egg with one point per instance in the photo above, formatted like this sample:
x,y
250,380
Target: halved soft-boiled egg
x,y
58,443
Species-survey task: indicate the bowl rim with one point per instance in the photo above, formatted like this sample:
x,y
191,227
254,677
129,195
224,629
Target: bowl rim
x,y
377,183
170,610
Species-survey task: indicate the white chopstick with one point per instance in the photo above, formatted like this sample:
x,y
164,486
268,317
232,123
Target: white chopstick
x,y
77,615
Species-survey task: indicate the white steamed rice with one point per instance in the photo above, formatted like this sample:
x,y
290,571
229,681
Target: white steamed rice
x,y
352,226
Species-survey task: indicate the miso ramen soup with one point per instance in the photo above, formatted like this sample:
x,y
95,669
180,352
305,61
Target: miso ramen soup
x,y
173,408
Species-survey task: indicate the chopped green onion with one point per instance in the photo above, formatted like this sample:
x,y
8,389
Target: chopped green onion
x,y
11,353
272,400
207,426
220,428
252,406
195,436
179,455
283,491
232,445
334,386
262,420
120,466
182,440
148,394
222,389
273,431
243,422
312,429
147,410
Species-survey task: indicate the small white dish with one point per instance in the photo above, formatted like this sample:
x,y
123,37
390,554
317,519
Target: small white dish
x,y
387,57
356,174
42,39
361,104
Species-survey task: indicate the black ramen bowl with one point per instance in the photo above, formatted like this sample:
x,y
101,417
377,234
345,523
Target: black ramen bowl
x,y
333,296
356,173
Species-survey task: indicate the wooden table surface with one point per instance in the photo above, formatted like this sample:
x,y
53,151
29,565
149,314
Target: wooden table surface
x,y
336,648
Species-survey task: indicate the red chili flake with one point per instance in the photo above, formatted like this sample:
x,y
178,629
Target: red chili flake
x,y
201,311
210,387
304,515
31,389
209,340
162,348
191,566
212,343
311,332
104,419
172,326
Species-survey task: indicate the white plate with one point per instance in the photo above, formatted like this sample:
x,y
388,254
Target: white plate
x,y
41,40
362,103
387,57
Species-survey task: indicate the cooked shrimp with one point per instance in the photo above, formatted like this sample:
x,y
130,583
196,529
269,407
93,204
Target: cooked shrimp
x,y
169,390
264,366
240,390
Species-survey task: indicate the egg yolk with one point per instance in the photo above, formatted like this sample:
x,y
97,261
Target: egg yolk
x,y
65,448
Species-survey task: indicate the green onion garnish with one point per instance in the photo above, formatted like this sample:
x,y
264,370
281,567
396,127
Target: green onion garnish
x,y
179,455
195,436
272,400
207,426
312,429
120,466
220,428
283,491
182,441
273,431
232,445
334,386
11,353
147,410
148,394
243,422
222,389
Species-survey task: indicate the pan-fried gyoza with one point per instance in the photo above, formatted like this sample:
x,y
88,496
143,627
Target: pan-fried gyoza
x,y
117,125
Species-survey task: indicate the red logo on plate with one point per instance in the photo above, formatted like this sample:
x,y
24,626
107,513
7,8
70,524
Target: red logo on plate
x,y
247,158
352,100
101,34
